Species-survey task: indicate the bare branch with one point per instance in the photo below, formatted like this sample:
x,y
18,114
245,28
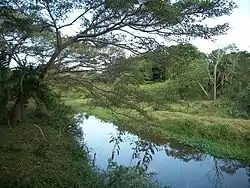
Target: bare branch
x,y
41,132
77,18
50,14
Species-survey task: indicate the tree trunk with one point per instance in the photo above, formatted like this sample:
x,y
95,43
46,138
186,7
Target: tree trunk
x,y
204,90
17,110
215,79
3,103
51,62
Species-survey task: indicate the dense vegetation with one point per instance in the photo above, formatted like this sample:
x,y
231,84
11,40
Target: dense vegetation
x,y
191,100
184,104
168,91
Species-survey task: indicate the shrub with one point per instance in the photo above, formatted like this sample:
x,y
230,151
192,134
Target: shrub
x,y
126,177
244,100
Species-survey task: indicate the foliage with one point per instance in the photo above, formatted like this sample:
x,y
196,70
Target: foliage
x,y
246,96
166,92
120,176
186,86
244,99
104,23
174,59
190,74
20,85
44,150
41,152
236,80
183,65
132,70
191,80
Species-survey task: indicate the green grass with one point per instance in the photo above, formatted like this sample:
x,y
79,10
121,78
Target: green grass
x,y
216,127
167,98
218,108
42,151
28,159
221,137
221,140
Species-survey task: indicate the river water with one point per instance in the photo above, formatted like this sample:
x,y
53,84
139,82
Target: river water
x,y
173,163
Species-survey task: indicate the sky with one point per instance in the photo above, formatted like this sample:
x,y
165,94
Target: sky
x,y
238,34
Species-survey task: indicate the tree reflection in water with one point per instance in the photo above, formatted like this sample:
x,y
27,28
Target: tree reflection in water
x,y
143,152
220,167
183,152
116,140
248,174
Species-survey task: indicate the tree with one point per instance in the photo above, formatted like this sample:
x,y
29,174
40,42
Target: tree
x,y
193,78
33,30
174,59
20,38
216,59
222,64
122,23
236,74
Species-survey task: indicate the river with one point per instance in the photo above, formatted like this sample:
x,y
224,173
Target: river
x,y
174,164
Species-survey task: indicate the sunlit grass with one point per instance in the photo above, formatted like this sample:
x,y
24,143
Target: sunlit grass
x,y
240,124
218,108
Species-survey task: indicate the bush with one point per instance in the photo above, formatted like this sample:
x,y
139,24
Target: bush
x,y
245,100
127,177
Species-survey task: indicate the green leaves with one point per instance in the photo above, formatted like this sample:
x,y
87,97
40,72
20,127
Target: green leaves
x,y
121,176
110,22
120,5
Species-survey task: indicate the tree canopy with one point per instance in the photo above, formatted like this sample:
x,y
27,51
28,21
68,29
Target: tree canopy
x,y
33,35
132,25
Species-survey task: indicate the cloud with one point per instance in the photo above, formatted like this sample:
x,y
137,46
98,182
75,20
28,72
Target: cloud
x,y
239,33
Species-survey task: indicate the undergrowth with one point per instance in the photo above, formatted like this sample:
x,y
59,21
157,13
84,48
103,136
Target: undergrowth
x,y
44,151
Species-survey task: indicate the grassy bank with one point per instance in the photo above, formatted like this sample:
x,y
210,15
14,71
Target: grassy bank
x,y
42,151
217,135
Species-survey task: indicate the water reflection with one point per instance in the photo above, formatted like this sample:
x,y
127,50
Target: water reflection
x,y
183,152
143,150
248,174
174,163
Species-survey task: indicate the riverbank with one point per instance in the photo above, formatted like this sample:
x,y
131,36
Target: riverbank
x,y
43,151
215,135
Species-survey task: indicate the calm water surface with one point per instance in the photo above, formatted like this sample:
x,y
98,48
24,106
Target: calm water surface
x,y
179,165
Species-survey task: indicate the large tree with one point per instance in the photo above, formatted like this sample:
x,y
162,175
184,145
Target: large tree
x,y
34,31
130,24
